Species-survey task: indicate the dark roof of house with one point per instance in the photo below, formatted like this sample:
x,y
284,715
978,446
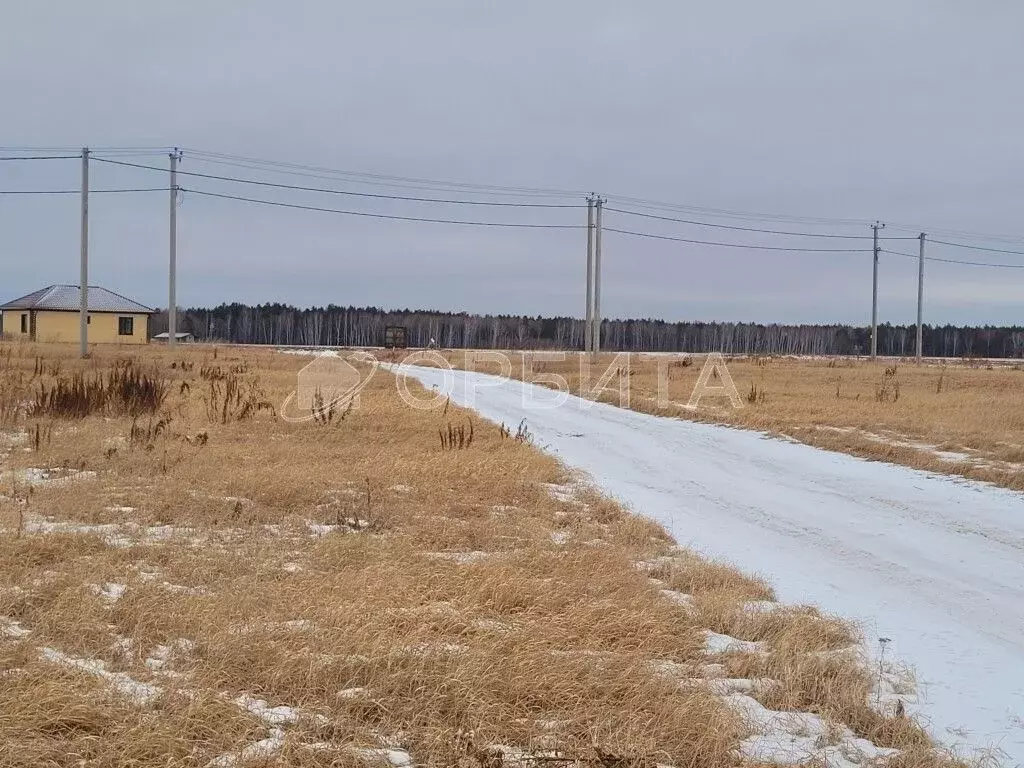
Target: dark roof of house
x,y
69,298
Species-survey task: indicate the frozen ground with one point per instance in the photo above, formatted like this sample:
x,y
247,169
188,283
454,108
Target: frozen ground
x,y
934,563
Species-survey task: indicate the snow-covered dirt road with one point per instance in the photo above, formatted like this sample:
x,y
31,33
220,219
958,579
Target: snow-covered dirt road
x,y
934,563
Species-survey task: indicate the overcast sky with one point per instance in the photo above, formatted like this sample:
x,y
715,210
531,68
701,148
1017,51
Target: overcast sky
x,y
907,112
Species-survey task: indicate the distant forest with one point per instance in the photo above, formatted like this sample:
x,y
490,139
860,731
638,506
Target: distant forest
x,y
364,326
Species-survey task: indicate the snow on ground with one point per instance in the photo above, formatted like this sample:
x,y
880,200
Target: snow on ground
x,y
935,563
715,643
47,475
792,738
114,534
138,692
965,456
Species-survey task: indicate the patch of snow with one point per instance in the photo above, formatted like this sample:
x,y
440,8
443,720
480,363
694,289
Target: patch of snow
x,y
655,563
270,715
723,686
492,625
140,693
291,567
264,749
894,686
352,693
679,598
761,606
119,535
401,488
792,738
122,510
715,643
12,629
161,655
398,758
463,558
563,493
50,476
318,530
561,538
109,591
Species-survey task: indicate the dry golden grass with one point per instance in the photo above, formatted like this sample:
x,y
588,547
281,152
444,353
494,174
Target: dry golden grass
x,y
956,417
392,593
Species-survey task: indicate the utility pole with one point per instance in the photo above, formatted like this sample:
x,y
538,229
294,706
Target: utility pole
x,y
172,298
588,325
596,333
83,279
874,293
920,297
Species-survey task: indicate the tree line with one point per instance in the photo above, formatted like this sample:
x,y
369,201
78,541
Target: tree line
x,y
281,324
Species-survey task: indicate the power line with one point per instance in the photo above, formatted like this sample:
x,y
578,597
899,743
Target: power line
x,y
395,185
78,150
43,157
77,191
955,261
736,245
518,225
960,233
236,180
733,214
383,179
977,247
744,229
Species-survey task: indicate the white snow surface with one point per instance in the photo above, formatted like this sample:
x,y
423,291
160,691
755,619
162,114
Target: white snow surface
x,y
935,563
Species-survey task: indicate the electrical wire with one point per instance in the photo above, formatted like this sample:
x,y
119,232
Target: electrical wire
x,y
370,183
955,261
78,150
295,187
382,178
744,229
517,225
43,157
313,171
735,245
733,214
977,247
78,191
957,233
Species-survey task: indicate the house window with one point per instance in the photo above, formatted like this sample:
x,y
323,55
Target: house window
x,y
126,326
24,323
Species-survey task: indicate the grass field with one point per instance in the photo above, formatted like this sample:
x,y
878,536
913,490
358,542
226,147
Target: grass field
x,y
186,579
956,417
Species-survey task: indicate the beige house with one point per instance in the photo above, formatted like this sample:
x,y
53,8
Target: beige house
x,y
52,314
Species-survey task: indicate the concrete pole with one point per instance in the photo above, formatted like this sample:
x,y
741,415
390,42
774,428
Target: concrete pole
x,y
588,325
172,297
874,293
83,278
596,333
920,298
